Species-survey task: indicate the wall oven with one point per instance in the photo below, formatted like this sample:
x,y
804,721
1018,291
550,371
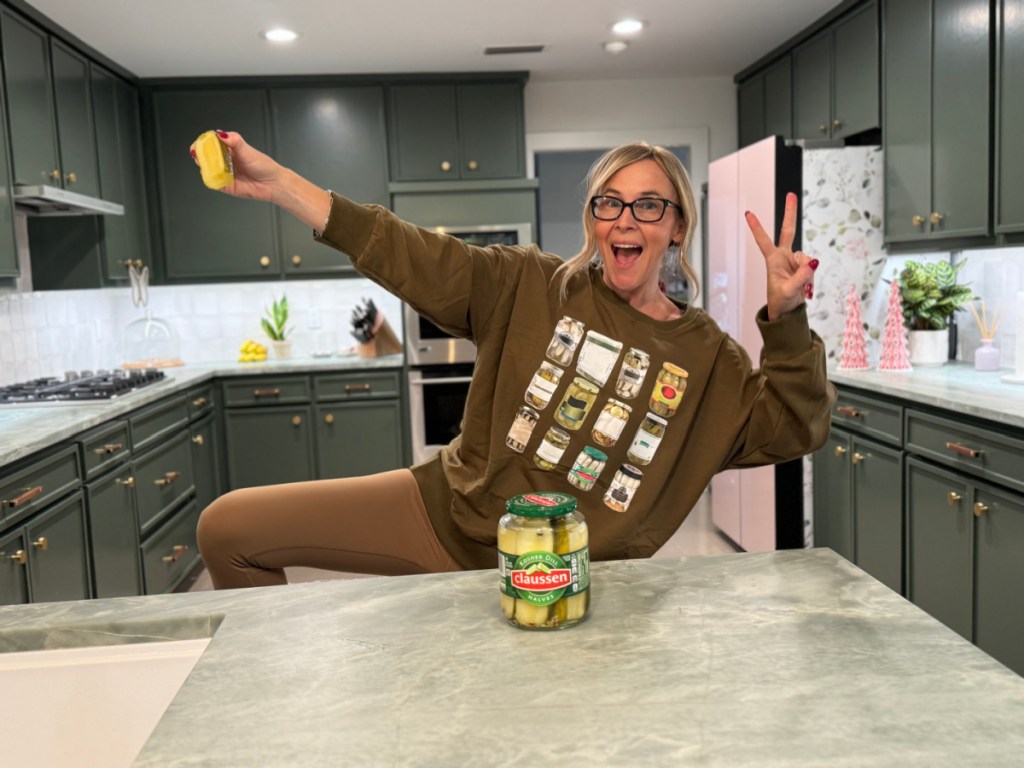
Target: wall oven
x,y
440,365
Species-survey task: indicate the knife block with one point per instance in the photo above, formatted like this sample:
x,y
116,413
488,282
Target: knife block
x,y
384,341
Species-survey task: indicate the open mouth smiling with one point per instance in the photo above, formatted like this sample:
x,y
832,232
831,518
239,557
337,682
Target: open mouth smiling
x,y
626,253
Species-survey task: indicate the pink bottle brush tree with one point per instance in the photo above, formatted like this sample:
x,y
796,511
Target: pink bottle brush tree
x,y
895,354
855,348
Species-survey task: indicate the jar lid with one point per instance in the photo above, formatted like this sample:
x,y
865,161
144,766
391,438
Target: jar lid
x,y
541,504
630,471
675,370
593,453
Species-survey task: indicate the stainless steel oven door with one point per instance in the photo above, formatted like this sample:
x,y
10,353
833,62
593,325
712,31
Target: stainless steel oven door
x,y
437,400
426,344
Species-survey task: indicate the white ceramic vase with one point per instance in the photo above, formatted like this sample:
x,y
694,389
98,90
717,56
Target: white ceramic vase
x,y
282,349
929,347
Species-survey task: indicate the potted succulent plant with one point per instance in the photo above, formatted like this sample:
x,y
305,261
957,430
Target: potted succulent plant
x,y
931,295
275,326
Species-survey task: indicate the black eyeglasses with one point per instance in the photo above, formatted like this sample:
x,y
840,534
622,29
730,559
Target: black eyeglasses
x,y
647,209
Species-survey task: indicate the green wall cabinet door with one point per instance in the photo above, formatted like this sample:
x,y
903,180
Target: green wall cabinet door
x,y
58,563
8,249
269,445
360,438
812,89
936,107
114,535
877,485
1010,147
491,132
207,234
833,510
13,569
336,138
424,142
76,136
750,103
206,462
778,98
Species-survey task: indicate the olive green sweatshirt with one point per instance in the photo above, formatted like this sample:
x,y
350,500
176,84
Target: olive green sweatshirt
x,y
636,478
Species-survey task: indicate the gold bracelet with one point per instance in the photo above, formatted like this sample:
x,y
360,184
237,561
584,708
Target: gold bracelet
x,y
330,208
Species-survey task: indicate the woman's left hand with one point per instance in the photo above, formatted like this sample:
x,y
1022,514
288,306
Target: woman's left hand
x,y
790,274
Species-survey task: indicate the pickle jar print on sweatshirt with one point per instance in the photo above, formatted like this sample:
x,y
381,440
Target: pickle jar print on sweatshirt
x,y
598,356
566,338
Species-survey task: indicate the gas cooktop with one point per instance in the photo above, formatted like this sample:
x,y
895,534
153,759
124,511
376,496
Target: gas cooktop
x,y
79,387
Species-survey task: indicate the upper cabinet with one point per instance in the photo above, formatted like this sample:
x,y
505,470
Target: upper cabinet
x,y
937,126
1010,118
835,78
766,103
444,132
8,248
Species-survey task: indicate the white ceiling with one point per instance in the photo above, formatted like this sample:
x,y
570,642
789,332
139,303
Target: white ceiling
x,y
182,38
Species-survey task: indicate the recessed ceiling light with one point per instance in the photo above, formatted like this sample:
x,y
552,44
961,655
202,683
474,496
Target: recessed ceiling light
x,y
627,27
280,35
616,46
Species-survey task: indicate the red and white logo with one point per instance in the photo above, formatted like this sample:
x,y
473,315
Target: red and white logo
x,y
542,581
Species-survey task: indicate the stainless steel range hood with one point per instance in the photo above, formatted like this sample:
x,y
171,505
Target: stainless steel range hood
x,y
43,200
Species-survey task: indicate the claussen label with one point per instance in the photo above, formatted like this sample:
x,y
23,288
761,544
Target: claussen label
x,y
543,578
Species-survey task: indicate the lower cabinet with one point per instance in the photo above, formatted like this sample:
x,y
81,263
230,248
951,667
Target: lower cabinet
x,y
114,535
354,439
169,553
58,564
267,445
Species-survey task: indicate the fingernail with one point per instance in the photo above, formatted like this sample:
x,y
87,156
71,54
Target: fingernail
x,y
809,291
192,151
813,263
222,134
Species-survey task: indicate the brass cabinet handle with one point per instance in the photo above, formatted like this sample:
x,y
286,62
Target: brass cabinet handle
x,y
846,410
137,263
128,482
176,552
198,440
446,166
917,220
822,128
935,218
297,260
200,402
472,165
329,418
837,123
20,557
275,392
963,450
952,498
109,448
71,178
41,544
167,479
55,175
26,496
349,388
840,451
980,509
857,457
264,261
296,420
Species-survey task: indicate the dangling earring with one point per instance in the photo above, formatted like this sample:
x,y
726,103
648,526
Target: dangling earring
x,y
672,254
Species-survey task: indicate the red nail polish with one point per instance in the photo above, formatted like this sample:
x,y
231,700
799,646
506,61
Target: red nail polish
x,y
222,134
809,291
192,151
813,263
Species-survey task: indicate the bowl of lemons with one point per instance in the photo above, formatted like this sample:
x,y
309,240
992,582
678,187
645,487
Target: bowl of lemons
x,y
252,352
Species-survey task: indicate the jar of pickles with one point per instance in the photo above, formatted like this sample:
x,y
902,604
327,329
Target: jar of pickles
x,y
543,385
632,373
668,389
522,427
566,338
577,401
647,439
551,448
543,562
598,356
622,488
610,423
587,468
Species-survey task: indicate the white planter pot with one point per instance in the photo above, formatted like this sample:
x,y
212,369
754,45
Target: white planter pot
x,y
929,347
282,349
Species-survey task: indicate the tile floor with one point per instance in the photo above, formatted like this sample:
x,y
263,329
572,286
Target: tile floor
x,y
696,536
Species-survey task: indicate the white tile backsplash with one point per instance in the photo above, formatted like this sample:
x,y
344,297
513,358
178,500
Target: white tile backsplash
x,y
997,276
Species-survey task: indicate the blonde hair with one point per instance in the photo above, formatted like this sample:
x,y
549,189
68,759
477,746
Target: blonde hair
x,y
607,166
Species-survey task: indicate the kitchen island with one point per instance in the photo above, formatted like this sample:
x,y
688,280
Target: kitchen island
x,y
774,659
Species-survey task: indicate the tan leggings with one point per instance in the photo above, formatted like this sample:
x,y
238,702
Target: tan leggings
x,y
375,524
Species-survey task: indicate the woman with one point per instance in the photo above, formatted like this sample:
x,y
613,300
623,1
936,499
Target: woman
x,y
584,359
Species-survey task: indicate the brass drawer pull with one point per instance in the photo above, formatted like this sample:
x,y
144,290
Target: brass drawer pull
x,y
275,392
26,496
329,418
128,482
71,178
980,509
20,557
41,544
845,410
176,553
296,421
349,388
109,448
857,458
963,450
198,440
167,479
952,498
840,451
200,402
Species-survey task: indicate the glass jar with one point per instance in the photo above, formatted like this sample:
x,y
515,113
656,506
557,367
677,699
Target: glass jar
x,y
577,401
610,423
551,448
543,385
632,373
598,356
543,562
567,337
668,389
647,439
587,468
622,488
522,427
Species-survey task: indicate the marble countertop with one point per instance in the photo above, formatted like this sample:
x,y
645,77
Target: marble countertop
x,y
27,429
953,386
773,659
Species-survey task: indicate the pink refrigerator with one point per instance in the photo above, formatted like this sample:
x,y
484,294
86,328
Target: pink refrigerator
x,y
760,509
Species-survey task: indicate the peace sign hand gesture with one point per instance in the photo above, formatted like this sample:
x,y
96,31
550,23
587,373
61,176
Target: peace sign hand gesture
x,y
790,274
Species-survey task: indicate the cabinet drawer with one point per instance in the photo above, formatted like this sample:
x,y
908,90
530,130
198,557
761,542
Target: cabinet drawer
x,y
171,552
869,416
361,386
201,400
163,478
156,422
994,456
35,485
266,390
105,447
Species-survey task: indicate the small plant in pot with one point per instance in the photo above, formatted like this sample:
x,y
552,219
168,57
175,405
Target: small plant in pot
x,y
931,295
275,326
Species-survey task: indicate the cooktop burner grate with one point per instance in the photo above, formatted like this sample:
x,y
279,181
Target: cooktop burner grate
x,y
79,386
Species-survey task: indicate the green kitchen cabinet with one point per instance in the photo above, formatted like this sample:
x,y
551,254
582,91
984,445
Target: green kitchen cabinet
x,y
267,445
58,564
836,78
833,508
206,462
937,124
13,568
114,535
336,138
207,234
1010,118
766,102
134,169
358,438
76,136
750,106
451,131
169,554
8,249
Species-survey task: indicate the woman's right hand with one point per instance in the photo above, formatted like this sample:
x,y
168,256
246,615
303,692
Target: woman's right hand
x,y
256,175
